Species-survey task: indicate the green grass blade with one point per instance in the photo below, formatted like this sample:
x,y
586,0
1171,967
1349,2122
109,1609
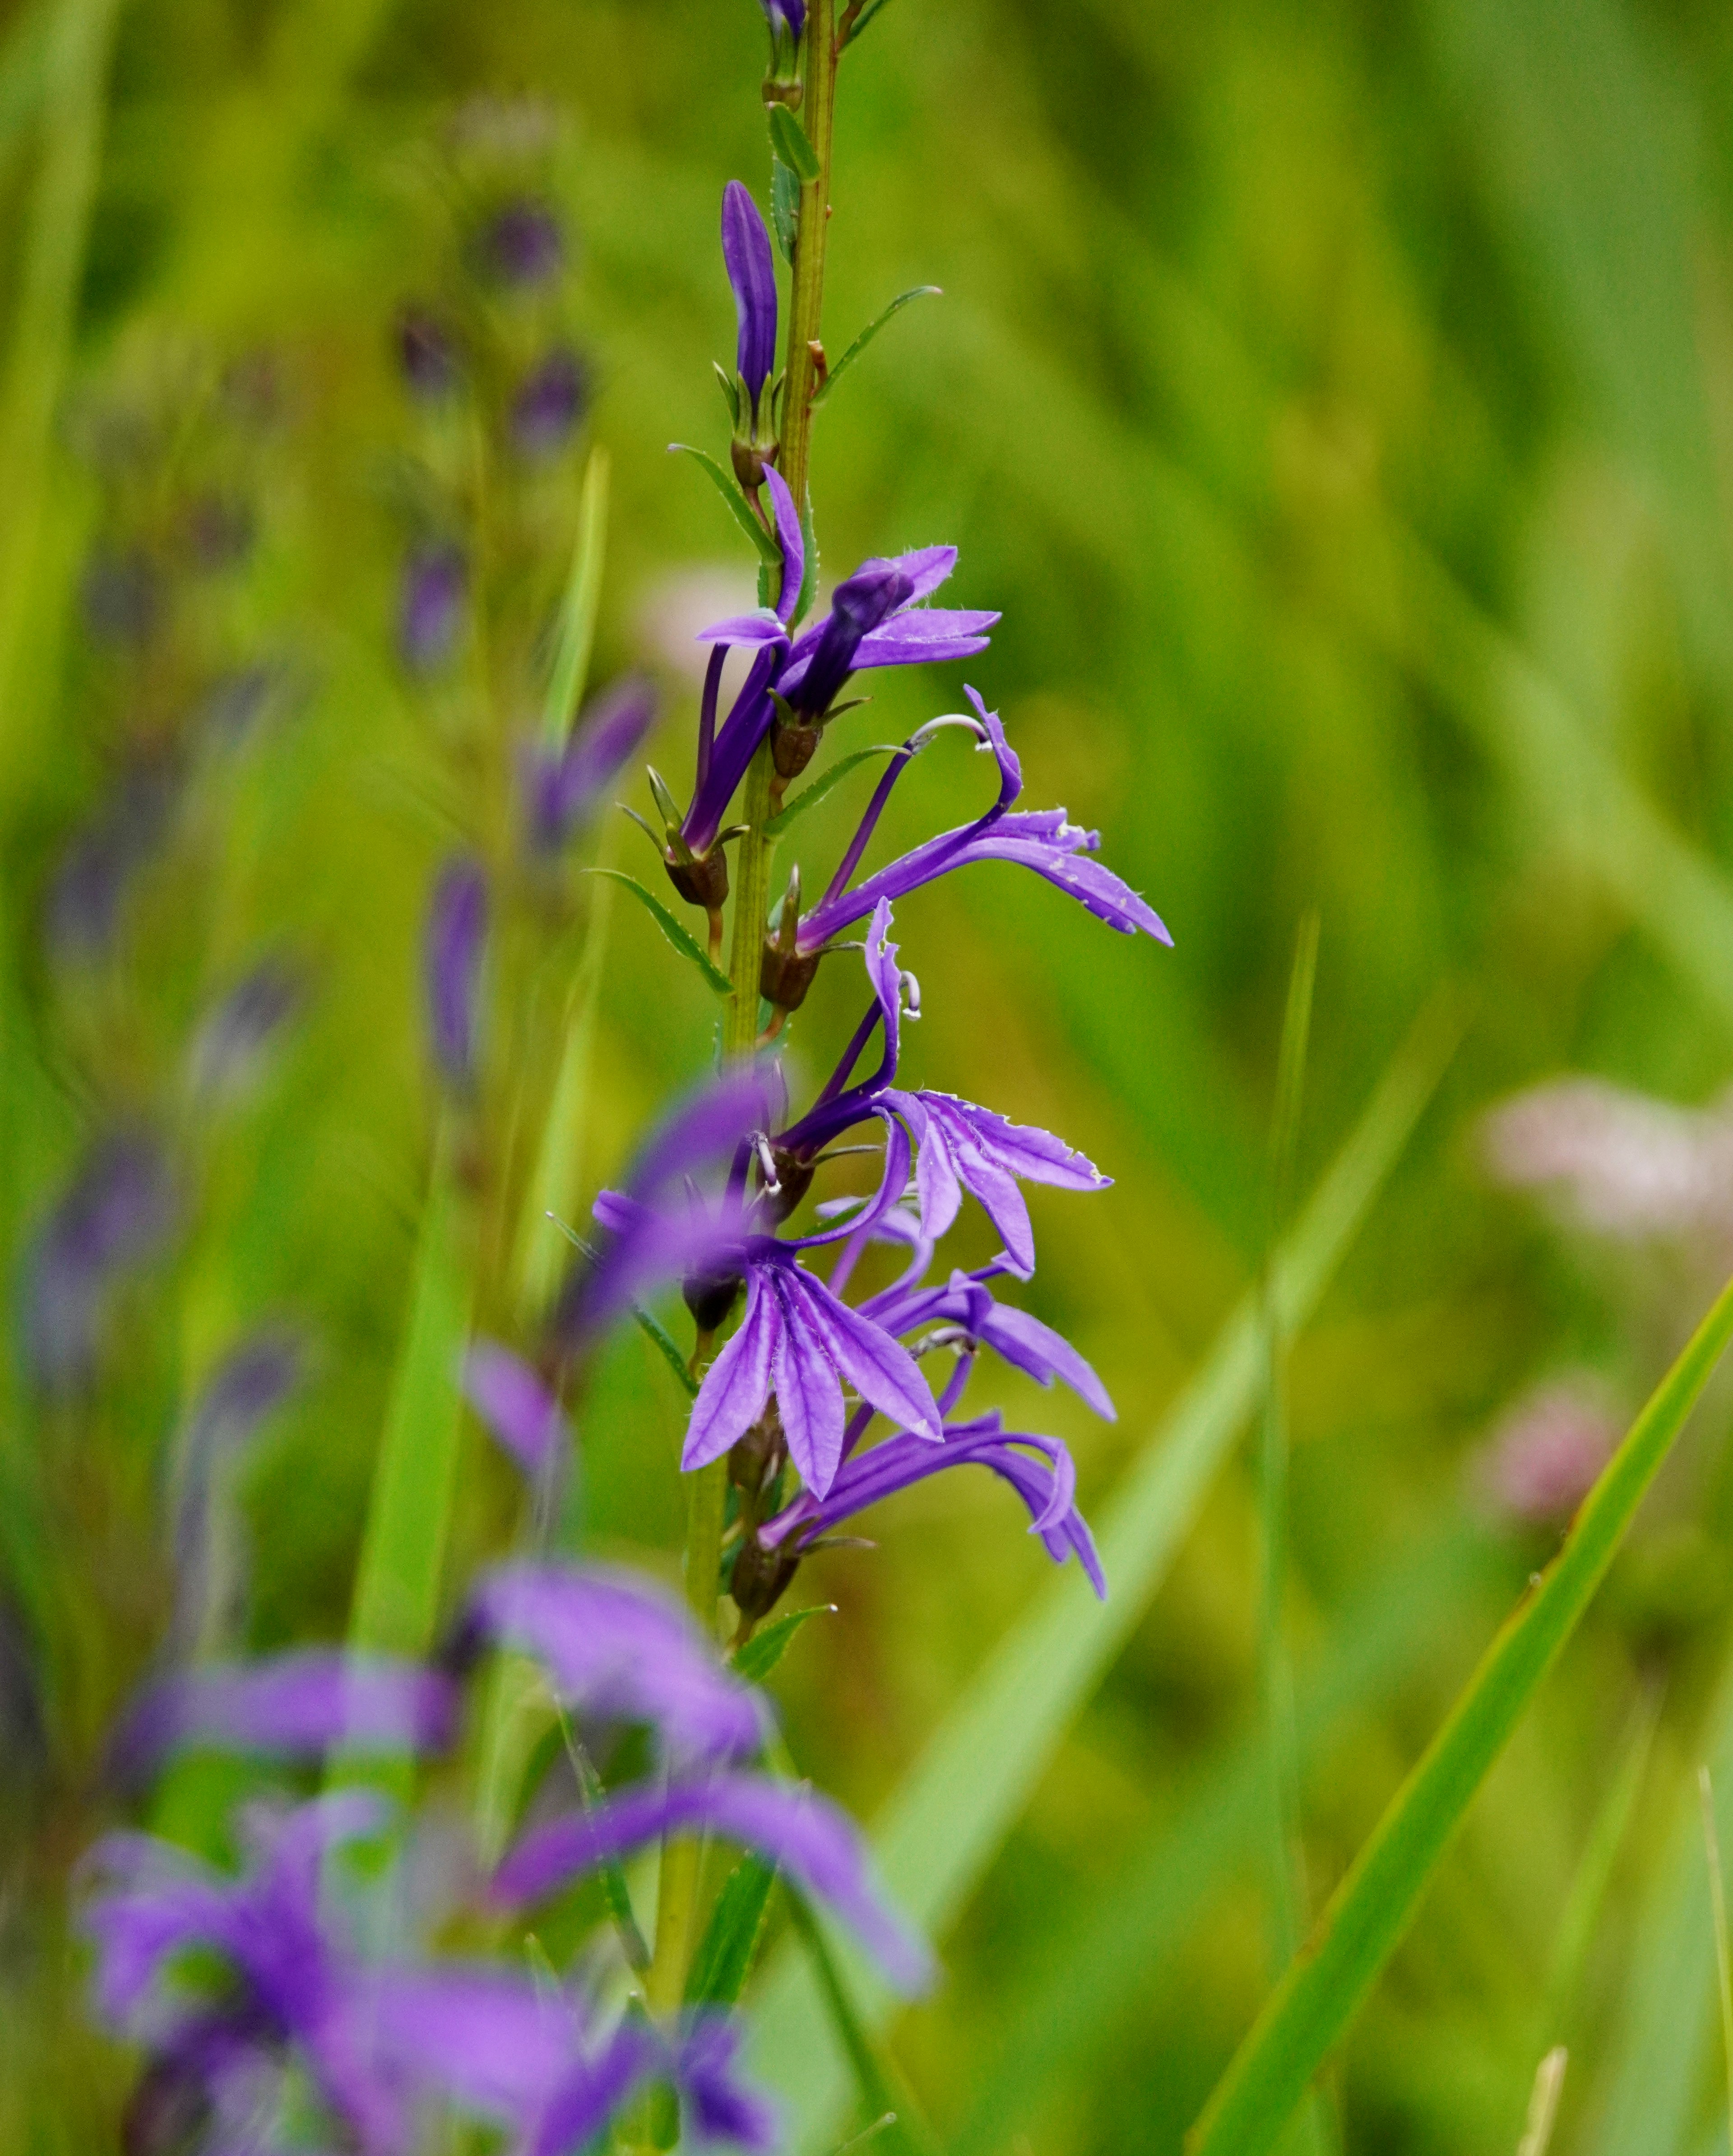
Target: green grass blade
x,y
769,553
1718,1907
579,609
1371,1909
871,331
1543,2103
397,1596
942,1828
884,2094
724,1960
676,932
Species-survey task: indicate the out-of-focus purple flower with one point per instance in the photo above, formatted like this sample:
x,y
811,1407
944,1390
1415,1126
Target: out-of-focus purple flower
x,y
549,403
816,1844
1047,1483
653,1234
117,1213
294,1705
1626,1166
456,943
515,1404
1547,1452
1040,839
236,701
615,1648
798,1341
230,1048
431,605
522,243
752,277
561,787
84,900
427,353
123,598
719,2107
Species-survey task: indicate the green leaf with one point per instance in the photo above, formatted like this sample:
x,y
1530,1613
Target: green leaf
x,y
788,139
808,591
1371,1909
852,30
675,930
730,1939
784,207
811,796
765,1649
964,1795
658,1334
739,508
578,609
866,336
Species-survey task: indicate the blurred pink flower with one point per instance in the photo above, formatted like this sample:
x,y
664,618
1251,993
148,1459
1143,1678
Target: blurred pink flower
x,y
1624,1164
1544,1453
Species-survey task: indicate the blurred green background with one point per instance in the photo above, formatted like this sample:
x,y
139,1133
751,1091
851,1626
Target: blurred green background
x,y
1338,401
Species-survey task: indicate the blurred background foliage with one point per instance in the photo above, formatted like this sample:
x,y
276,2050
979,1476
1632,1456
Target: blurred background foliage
x,y
1338,401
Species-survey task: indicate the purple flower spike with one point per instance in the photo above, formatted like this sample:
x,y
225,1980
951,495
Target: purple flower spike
x,y
1047,1484
457,937
746,256
549,403
816,1844
294,1706
614,1648
799,1342
430,609
561,787
517,1406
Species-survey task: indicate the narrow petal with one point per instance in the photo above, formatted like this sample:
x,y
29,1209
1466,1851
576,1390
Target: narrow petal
x,y
755,628
877,1368
737,1383
517,1406
809,1393
790,538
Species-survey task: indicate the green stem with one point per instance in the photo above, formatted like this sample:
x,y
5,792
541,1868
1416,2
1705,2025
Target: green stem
x,y
806,300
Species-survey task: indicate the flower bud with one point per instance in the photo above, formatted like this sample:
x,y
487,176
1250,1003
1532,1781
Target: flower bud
x,y
756,1459
760,1577
710,1297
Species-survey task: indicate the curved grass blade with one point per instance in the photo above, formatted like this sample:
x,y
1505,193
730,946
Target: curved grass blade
x,y
579,609
659,1338
739,508
1370,1911
681,937
724,1960
811,796
965,1791
762,1652
871,331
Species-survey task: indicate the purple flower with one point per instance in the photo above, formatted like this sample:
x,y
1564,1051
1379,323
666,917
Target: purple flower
x,y
123,596
517,1406
231,1045
549,403
964,1305
806,1837
800,1342
751,274
521,245
615,1648
456,940
117,1213
786,17
293,1706
1047,1484
427,353
430,608
83,903
561,786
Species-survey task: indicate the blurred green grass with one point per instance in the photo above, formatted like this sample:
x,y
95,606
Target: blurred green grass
x,y
1336,400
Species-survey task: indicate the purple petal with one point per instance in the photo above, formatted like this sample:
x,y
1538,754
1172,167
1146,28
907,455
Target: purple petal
x,y
456,937
607,735
756,628
488,2041
879,1368
737,1383
807,1837
593,2091
745,255
809,1395
298,1704
430,606
549,403
614,1648
514,1403
792,541
924,637
927,568
720,2108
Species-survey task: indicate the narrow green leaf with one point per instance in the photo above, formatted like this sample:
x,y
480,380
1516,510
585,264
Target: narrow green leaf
x,y
811,796
1543,2103
884,2093
1723,1959
724,1960
579,609
866,336
1371,1910
784,207
675,930
765,1649
851,31
965,1793
657,1333
615,1891
739,508
808,591
788,139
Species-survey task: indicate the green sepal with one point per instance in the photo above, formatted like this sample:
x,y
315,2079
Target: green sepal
x,y
738,506
814,793
765,1649
788,139
724,1960
681,937
730,391
866,336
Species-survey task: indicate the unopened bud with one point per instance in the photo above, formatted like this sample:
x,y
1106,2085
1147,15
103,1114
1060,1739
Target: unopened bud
x,y
710,1297
756,1459
760,1577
